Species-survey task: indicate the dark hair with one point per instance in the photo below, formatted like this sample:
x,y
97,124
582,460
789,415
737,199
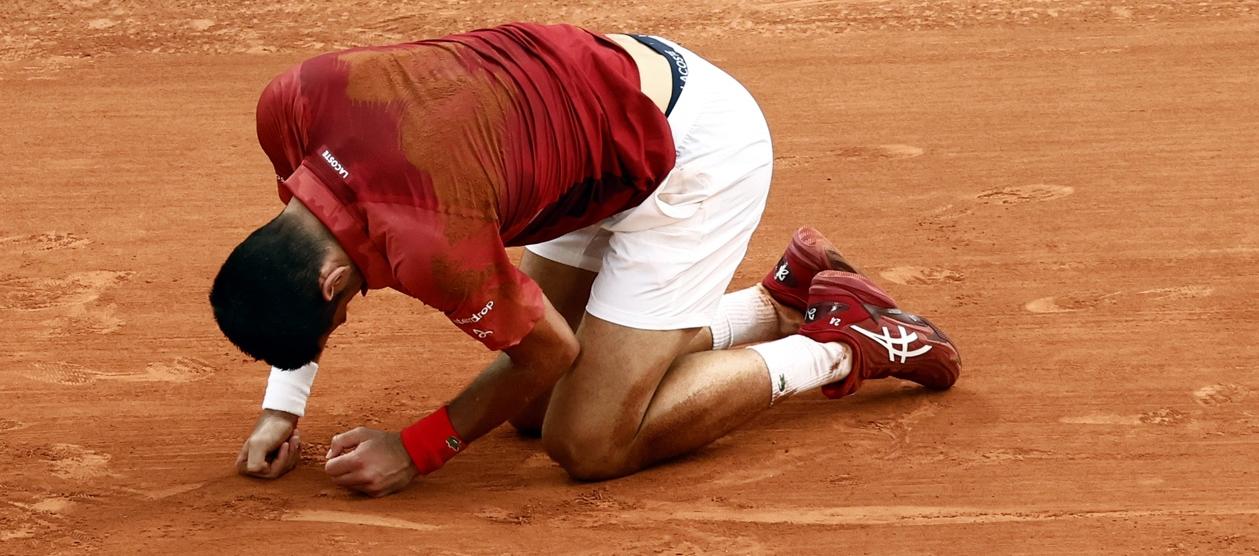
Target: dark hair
x,y
267,299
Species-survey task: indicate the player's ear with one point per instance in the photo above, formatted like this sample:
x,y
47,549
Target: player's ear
x,y
333,281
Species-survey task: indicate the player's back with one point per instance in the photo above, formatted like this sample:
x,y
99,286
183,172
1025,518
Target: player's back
x,y
541,128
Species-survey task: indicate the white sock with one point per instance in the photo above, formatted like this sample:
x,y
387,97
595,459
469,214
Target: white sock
x,y
797,364
742,317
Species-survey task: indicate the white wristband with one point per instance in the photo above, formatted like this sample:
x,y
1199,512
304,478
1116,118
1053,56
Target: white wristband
x,y
287,391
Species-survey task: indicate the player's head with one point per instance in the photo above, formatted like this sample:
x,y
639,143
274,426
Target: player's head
x,y
282,291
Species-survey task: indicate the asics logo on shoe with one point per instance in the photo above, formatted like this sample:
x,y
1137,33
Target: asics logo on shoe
x,y
896,346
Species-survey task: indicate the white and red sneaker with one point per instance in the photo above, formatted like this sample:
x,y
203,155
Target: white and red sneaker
x,y
885,341
808,253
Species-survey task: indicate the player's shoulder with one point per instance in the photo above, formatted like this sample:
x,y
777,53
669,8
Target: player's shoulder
x,y
283,85
314,73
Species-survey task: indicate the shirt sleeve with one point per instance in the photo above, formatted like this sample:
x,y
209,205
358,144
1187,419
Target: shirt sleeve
x,y
459,266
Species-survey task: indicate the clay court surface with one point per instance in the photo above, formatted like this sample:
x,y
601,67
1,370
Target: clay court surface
x,y
1070,188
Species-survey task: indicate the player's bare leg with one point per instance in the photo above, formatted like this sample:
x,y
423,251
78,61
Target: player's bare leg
x,y
568,289
636,397
631,401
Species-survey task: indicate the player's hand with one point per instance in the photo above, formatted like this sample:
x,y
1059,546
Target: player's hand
x,y
273,448
369,461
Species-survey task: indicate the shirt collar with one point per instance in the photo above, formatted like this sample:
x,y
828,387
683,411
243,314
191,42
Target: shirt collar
x,y
343,220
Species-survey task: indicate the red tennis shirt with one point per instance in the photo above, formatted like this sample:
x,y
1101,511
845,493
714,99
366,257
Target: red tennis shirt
x,y
426,159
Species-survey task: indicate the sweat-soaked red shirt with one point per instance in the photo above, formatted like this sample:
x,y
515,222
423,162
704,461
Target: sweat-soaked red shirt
x,y
426,159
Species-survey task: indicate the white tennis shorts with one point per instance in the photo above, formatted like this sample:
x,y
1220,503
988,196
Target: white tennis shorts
x,y
665,264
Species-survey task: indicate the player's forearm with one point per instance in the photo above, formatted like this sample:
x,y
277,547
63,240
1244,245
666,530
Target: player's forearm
x,y
531,367
500,392
509,384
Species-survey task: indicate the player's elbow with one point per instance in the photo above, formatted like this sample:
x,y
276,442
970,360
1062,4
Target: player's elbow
x,y
549,350
563,354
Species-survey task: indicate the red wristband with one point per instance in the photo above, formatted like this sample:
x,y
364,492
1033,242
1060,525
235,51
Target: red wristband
x,y
432,441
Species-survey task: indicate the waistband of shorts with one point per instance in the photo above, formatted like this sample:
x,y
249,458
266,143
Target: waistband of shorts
x,y
704,85
678,67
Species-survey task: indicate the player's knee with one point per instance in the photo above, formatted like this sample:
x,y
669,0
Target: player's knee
x,y
588,459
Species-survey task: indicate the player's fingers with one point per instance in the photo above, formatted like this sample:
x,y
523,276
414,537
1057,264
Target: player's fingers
x,y
257,459
277,465
295,451
355,480
339,443
346,440
343,464
241,457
